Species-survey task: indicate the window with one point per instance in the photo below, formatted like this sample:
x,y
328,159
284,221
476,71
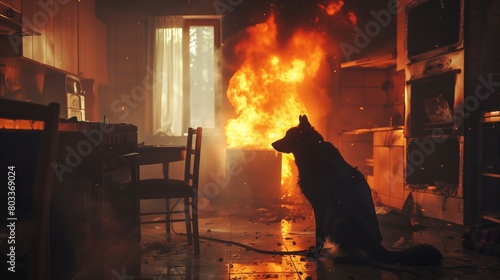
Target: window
x,y
186,91
202,76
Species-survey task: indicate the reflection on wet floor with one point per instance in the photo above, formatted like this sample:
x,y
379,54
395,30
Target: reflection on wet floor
x,y
275,227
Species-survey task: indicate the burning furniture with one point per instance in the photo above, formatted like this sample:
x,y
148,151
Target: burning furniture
x,y
253,175
275,83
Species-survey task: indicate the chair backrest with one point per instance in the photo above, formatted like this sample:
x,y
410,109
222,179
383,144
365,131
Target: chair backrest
x,y
42,184
193,153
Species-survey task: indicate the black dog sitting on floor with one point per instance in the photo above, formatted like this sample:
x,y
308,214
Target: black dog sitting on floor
x,y
342,202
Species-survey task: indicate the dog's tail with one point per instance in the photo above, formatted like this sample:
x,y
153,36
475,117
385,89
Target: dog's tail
x,y
421,254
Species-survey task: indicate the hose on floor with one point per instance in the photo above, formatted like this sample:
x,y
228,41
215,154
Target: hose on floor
x,y
281,253
267,252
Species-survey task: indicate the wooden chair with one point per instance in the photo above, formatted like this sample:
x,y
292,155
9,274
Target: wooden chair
x,y
36,227
186,190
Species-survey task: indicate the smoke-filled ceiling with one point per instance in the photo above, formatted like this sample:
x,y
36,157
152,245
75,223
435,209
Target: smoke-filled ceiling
x,y
339,20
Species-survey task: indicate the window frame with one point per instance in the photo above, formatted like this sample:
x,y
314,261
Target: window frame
x,y
216,22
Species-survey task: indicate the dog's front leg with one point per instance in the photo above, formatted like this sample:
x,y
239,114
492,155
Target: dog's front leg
x,y
315,250
321,229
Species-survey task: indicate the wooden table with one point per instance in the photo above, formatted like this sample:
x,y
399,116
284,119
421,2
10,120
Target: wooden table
x,y
161,154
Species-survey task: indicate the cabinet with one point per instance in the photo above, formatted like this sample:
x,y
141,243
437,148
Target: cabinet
x,y
72,39
95,229
489,165
15,4
92,46
69,38
56,21
388,158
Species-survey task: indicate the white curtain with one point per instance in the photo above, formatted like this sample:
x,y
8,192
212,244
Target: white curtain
x,y
168,82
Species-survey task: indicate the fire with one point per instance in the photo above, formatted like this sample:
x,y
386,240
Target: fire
x,y
264,91
353,18
332,7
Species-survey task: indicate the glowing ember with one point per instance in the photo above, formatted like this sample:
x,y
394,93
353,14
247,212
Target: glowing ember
x,y
332,7
353,18
264,91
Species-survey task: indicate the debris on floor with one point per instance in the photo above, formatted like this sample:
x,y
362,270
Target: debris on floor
x,y
290,227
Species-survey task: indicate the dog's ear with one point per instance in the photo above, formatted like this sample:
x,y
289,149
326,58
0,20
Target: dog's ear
x,y
304,122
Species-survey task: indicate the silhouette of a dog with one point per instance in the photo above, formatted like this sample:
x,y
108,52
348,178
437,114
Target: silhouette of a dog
x,y
342,202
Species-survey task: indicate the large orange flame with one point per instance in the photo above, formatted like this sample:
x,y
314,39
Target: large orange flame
x,y
264,91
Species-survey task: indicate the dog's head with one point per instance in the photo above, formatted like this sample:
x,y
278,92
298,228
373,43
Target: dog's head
x,y
299,137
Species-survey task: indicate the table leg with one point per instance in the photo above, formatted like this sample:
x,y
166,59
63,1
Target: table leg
x,y
167,203
165,170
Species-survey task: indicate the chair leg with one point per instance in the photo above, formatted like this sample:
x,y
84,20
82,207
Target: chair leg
x,y
167,219
187,217
196,235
